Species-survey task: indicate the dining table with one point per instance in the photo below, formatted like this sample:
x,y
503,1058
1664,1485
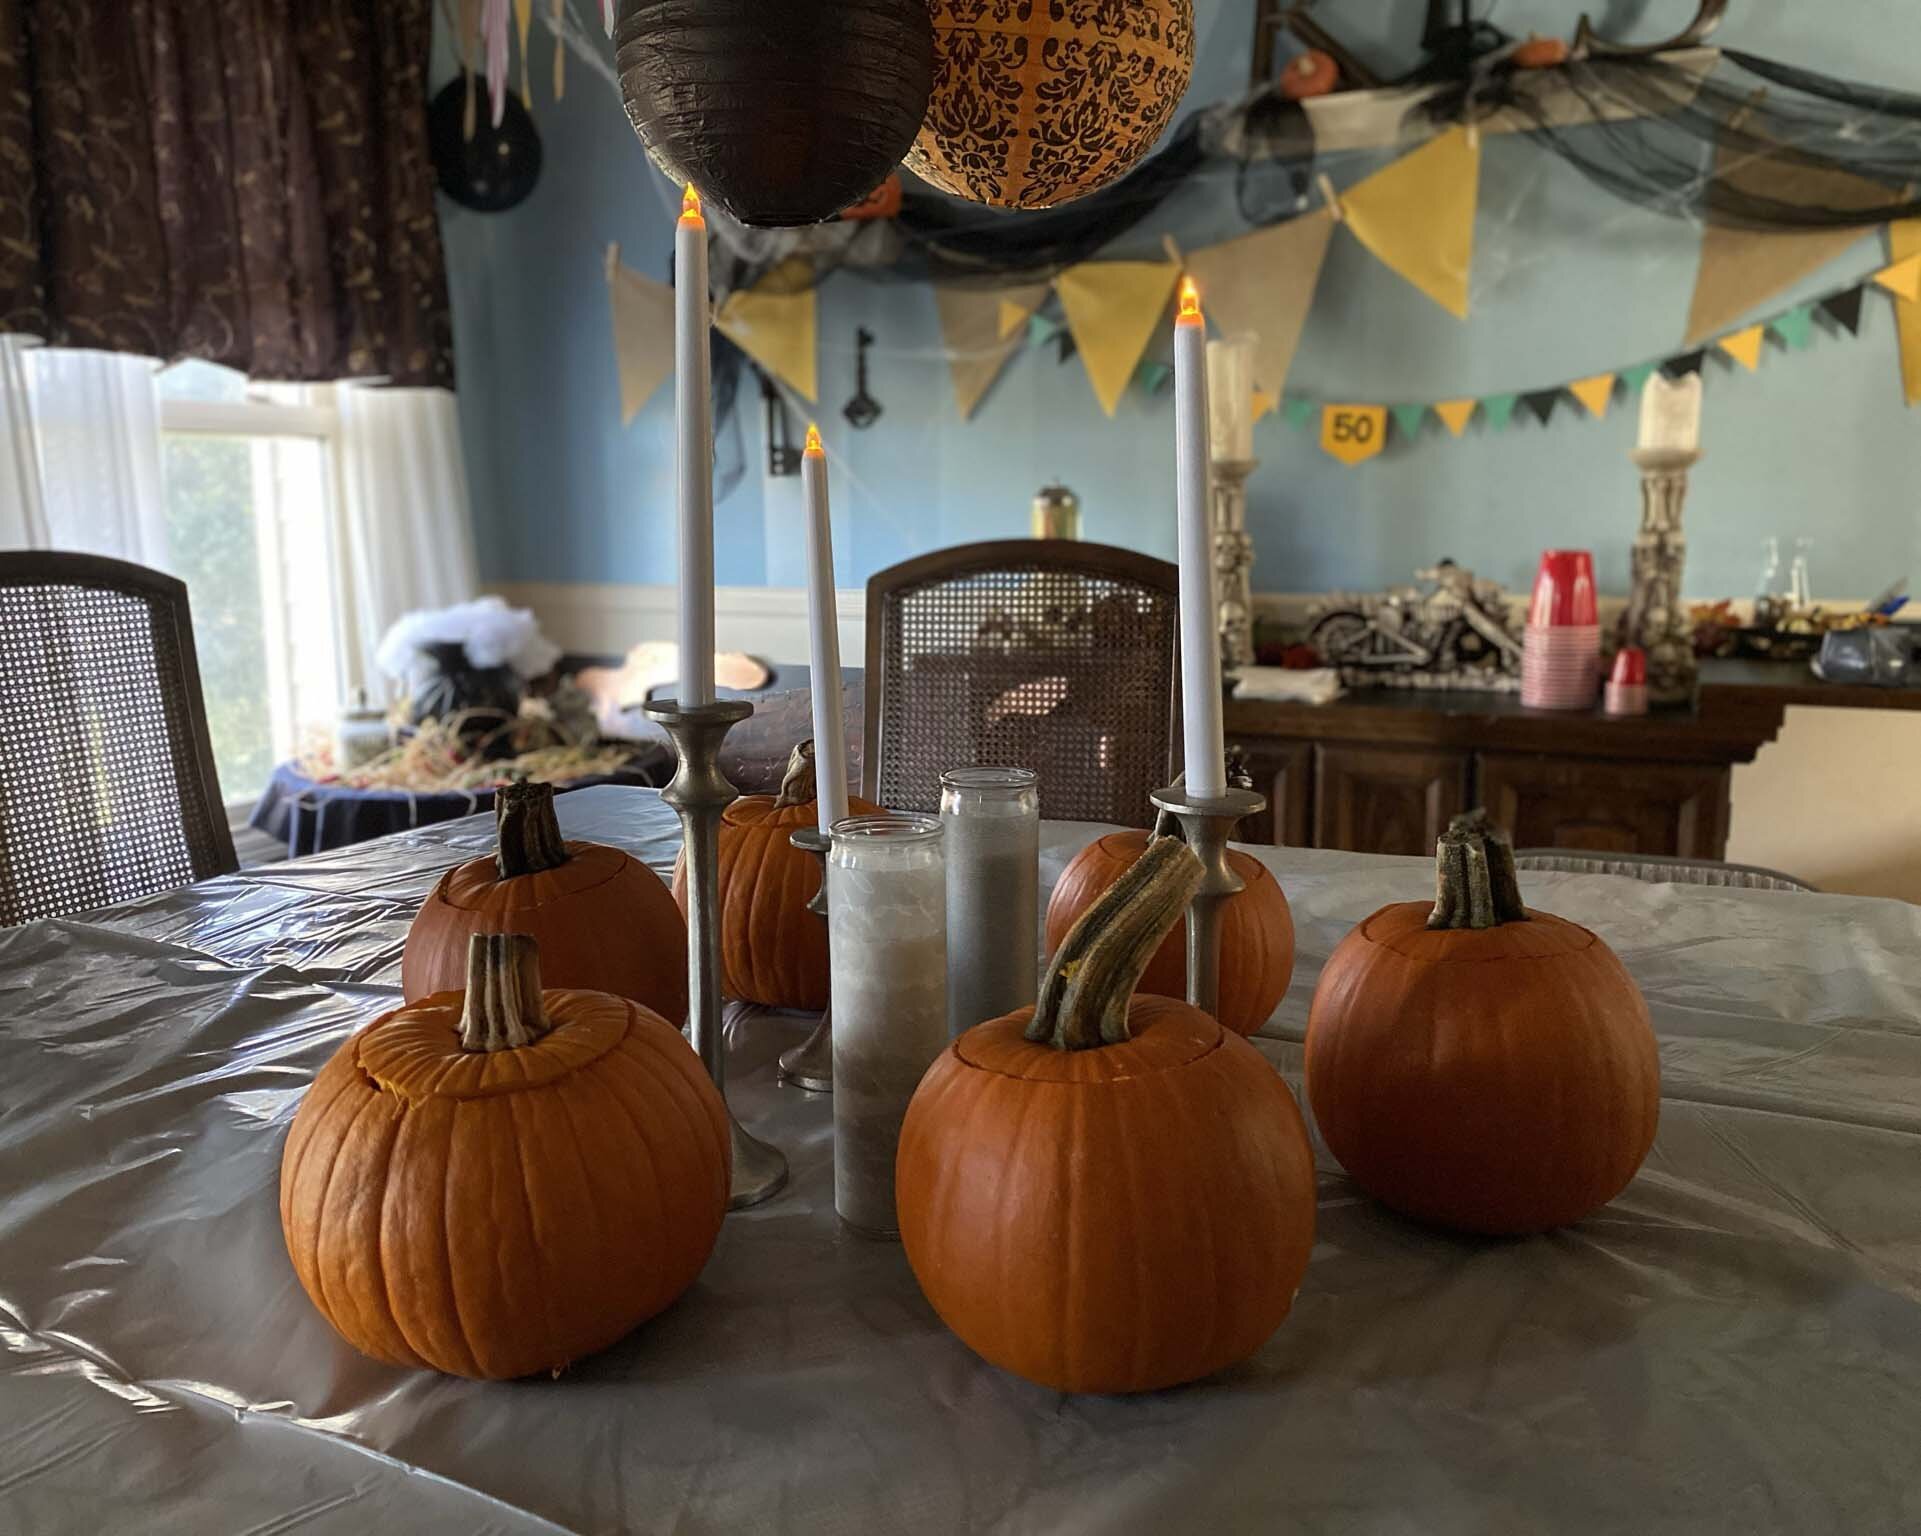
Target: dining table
x,y
1733,1344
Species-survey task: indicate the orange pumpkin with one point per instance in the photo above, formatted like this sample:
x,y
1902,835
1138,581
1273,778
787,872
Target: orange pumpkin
x,y
1257,930
1478,1065
1310,73
773,951
604,920
1108,1193
1539,53
497,1183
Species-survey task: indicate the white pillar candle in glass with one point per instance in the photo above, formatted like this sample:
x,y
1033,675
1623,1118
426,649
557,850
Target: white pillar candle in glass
x,y
1671,415
693,455
887,952
830,730
1230,398
991,839
1200,619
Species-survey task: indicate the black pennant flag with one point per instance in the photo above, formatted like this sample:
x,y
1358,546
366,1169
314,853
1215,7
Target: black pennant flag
x,y
1541,402
1068,345
1845,309
1684,363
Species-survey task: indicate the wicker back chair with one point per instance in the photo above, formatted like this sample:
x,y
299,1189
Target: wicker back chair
x,y
107,786
1047,654
1660,869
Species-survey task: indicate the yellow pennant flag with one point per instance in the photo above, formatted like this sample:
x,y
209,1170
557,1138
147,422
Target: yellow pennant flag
x,y
1903,279
776,323
1417,216
977,348
1016,304
1455,413
1594,393
1353,433
1263,283
1904,244
1264,402
1113,308
643,333
1744,346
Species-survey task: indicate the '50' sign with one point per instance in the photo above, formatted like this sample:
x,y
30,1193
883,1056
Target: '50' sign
x,y
1352,433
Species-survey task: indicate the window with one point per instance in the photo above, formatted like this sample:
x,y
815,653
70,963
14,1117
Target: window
x,y
250,510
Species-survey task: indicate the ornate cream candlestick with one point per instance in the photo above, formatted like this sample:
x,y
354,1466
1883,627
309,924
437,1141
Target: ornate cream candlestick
x,y
1656,619
1233,560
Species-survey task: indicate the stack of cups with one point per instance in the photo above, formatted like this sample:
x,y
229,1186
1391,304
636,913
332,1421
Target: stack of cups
x,y
1561,652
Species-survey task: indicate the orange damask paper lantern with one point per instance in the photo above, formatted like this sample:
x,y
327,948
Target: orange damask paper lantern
x,y
1040,103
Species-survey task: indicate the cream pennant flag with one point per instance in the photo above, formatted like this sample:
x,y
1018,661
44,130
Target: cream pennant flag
x,y
643,333
1113,309
1016,304
977,348
1455,413
1904,244
1263,283
1594,392
1744,345
1903,279
1417,216
776,323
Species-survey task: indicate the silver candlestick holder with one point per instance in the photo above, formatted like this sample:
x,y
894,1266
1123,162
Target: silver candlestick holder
x,y
1657,618
699,792
810,1065
1206,824
1233,559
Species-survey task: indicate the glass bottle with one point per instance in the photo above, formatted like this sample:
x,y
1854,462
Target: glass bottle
x,y
887,951
991,821
1800,587
1769,584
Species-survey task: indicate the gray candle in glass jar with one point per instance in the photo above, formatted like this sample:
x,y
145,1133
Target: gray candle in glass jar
x,y
991,825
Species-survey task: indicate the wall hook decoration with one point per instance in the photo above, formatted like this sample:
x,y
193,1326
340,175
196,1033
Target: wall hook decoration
x,y
863,410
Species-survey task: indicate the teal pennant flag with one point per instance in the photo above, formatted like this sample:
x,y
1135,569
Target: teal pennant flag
x,y
1636,376
1152,375
1409,418
1499,410
1298,412
1796,327
1041,330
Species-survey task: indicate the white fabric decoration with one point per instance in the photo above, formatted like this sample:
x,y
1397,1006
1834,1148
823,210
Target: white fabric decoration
x,y
492,633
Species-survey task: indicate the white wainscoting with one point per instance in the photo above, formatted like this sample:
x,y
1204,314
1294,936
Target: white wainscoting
x,y
606,618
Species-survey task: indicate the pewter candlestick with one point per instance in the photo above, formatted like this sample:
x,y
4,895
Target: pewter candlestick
x,y
699,792
1206,825
810,1065
1233,559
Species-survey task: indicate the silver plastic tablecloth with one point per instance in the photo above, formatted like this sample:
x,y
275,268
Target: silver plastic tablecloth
x,y
1734,1345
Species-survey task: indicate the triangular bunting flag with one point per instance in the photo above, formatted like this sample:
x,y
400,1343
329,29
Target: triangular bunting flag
x,y
1041,330
1594,393
1636,376
1298,412
1112,308
1541,402
1904,243
1844,308
1684,363
1903,279
1498,409
1417,216
643,334
1153,376
977,348
1744,346
776,324
1068,347
1408,418
1263,283
1264,402
1016,304
1455,413
1796,327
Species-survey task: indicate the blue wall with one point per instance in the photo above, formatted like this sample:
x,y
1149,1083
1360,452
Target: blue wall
x,y
1568,281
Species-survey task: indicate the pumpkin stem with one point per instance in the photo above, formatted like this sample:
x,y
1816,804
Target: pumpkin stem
x,y
1474,880
1083,1000
502,1011
797,783
526,830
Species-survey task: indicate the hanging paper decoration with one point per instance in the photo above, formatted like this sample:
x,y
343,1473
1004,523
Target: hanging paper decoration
x,y
1417,216
1041,330
1034,105
976,348
1844,308
1264,402
1454,414
1298,413
1113,308
776,323
643,333
1637,375
1541,402
1153,375
1795,327
1408,418
523,24
1353,433
1016,304
1902,278
779,114
1683,363
1594,393
1498,410
1263,283
494,166
1904,244
1744,345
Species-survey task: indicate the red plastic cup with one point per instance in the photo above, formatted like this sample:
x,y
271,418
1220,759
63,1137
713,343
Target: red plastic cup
x,y
1630,665
1564,589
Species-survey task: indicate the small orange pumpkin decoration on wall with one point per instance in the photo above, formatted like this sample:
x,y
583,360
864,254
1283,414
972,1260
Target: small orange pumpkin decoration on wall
x,y
1308,74
589,1111
1539,53
603,919
1063,1171
1478,1065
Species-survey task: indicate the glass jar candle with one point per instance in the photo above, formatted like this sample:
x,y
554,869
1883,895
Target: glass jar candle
x,y
887,950
991,827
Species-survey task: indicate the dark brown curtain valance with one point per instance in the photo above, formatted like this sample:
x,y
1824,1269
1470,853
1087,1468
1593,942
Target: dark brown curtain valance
x,y
245,181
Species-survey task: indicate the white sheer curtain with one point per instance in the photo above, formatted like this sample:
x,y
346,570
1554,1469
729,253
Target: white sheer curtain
x,y
23,513
408,533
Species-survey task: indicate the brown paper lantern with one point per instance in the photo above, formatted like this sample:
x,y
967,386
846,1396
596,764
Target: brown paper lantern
x,y
779,111
1038,104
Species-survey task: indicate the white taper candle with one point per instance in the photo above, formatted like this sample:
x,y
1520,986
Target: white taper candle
x,y
1200,631
694,455
830,732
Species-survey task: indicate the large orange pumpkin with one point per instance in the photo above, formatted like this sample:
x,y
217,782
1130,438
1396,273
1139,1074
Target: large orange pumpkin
x,y
1108,1193
1257,930
773,951
1478,1065
604,920
496,1183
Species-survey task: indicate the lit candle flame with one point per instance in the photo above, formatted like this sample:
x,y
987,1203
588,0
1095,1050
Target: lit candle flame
x,y
690,206
813,449
1190,301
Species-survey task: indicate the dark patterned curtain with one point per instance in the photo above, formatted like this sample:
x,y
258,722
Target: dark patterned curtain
x,y
245,181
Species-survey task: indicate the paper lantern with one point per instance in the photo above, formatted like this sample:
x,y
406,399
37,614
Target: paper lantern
x,y
1039,104
780,111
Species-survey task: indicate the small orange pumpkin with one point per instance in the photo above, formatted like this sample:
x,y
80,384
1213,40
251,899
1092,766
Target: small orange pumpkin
x,y
1539,53
603,919
1105,1193
497,1183
773,951
1257,930
1478,1065
1308,74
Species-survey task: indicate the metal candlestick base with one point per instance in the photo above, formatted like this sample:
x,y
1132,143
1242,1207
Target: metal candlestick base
x,y
810,1065
1206,825
699,792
